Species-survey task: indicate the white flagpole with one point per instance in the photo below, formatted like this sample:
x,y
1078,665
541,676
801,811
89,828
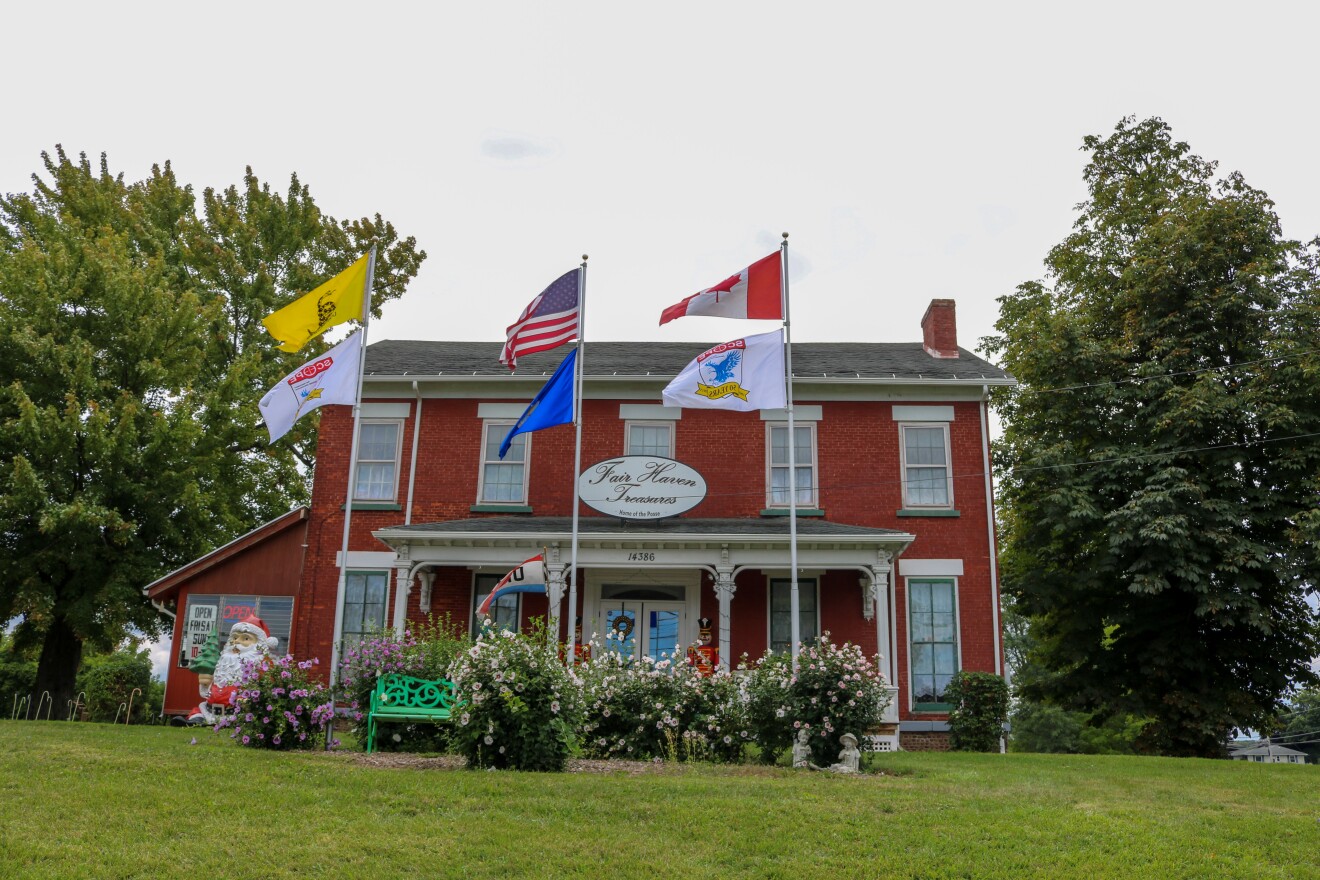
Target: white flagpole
x,y
794,603
571,617
352,474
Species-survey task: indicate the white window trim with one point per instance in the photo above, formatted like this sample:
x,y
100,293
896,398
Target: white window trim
x,y
957,629
792,481
631,423
398,459
770,579
903,465
506,424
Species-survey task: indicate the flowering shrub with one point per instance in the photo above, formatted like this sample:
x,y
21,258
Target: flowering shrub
x,y
644,709
836,690
425,651
279,706
521,706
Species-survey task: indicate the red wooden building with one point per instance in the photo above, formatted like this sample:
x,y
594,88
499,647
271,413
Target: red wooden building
x,y
896,543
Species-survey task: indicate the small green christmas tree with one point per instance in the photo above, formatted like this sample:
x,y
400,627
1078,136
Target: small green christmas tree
x,y
204,662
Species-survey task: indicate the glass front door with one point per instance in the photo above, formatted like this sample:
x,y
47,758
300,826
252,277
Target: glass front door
x,y
643,629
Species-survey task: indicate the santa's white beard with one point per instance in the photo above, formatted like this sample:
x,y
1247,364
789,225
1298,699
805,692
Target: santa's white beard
x,y
229,668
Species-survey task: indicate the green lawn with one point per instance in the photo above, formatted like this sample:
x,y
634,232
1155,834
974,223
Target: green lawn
x,y
85,800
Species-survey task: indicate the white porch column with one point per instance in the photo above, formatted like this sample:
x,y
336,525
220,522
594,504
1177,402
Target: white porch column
x,y
724,590
878,593
554,587
402,587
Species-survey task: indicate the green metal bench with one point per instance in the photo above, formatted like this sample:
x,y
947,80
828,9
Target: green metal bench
x,y
404,698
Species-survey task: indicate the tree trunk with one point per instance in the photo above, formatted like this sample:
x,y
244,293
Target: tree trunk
x,y
57,670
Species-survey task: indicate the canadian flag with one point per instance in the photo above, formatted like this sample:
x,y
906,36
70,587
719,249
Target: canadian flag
x,y
752,293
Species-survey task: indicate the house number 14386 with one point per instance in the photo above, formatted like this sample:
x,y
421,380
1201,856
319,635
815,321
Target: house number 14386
x,y
641,557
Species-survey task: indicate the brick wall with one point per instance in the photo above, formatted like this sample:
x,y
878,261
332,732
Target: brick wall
x,y
858,472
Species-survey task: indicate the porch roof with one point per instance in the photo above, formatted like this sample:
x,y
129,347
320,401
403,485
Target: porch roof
x,y
606,541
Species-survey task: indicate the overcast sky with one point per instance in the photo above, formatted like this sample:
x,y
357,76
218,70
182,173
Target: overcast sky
x,y
912,153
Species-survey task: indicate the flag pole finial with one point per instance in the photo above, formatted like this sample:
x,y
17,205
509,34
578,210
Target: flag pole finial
x,y
785,234
584,258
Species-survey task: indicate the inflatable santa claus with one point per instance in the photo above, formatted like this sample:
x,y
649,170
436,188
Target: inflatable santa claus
x,y
249,645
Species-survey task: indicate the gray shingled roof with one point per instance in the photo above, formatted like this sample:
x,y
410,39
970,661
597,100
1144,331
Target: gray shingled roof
x,y
602,525
839,360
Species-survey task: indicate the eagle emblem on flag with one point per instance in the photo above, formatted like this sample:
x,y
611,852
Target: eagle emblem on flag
x,y
721,373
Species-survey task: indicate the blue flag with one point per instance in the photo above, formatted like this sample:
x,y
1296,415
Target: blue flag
x,y
553,404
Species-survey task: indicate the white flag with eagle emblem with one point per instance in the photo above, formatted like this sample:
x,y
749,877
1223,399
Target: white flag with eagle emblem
x,y
330,378
745,374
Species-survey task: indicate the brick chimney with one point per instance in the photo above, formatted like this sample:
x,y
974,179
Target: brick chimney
x,y
939,330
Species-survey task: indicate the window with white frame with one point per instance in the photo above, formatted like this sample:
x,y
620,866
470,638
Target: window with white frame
x,y
933,639
503,613
378,461
364,604
650,438
503,481
927,477
781,613
778,478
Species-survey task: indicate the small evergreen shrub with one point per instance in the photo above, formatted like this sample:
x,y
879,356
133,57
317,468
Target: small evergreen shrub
x,y
646,709
521,706
980,708
836,690
279,706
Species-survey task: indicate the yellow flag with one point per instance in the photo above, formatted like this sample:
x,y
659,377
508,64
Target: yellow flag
x,y
338,300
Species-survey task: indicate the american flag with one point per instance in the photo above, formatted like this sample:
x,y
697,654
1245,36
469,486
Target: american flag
x,y
548,321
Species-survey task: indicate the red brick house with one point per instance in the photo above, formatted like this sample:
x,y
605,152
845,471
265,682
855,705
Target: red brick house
x,y
896,544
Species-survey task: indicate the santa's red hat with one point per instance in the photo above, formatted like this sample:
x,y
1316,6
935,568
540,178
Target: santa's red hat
x,y
257,627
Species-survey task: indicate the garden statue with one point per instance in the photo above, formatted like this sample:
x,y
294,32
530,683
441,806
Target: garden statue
x,y
250,643
801,751
850,759
703,654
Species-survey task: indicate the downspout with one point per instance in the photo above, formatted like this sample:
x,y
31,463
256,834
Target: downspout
x,y
990,534
412,464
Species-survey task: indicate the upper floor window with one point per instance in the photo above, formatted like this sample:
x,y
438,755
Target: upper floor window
x,y
778,479
503,481
651,438
781,613
927,477
378,461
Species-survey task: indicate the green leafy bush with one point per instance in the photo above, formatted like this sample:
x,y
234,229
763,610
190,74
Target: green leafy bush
x,y
522,706
17,678
109,681
980,708
644,709
836,690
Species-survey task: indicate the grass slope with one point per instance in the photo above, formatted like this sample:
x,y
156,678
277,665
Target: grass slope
x,y
86,800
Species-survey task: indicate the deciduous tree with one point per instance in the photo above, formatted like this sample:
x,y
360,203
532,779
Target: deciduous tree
x,y
1159,466
130,439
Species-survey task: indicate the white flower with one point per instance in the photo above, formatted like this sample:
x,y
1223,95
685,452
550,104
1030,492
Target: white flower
x,y
779,713
464,719
489,739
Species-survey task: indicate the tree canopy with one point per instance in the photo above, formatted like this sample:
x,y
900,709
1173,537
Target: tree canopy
x,y
1160,465
130,439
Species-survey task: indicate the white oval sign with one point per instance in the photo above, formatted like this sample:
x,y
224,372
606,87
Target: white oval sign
x,y
641,487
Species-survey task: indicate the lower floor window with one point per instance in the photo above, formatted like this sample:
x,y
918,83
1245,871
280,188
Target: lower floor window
x,y
933,632
364,604
781,613
503,612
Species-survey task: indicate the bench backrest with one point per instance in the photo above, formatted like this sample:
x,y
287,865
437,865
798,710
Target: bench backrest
x,y
404,691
